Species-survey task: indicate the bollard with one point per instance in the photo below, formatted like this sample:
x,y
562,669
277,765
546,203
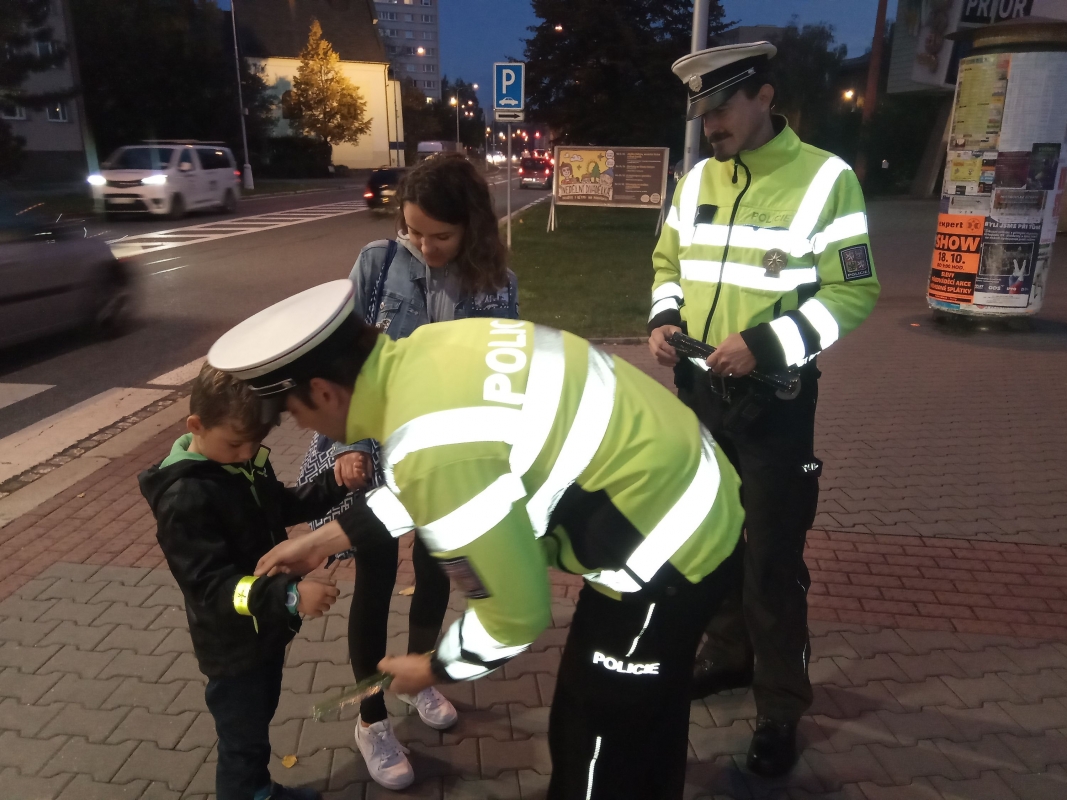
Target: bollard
x,y
1005,172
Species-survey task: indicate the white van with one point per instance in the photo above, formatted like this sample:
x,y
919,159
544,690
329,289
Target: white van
x,y
168,178
427,150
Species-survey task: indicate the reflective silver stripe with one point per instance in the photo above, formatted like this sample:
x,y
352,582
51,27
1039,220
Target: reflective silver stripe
x,y
583,439
452,426
470,635
687,205
699,362
815,197
792,342
751,237
389,511
684,518
615,579
592,766
746,276
648,619
478,515
665,290
822,321
666,304
544,387
672,218
846,227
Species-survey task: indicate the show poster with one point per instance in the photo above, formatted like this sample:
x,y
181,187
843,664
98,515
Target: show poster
x,y
620,177
957,257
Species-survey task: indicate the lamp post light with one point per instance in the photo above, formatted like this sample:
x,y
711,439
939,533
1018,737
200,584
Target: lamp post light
x,y
247,171
455,101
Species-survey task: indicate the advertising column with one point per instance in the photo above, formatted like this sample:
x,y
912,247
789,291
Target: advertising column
x,y
1004,174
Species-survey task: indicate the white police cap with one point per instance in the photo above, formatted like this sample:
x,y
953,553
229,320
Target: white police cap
x,y
713,75
273,349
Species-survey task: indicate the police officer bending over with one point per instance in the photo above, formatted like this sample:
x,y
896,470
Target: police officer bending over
x,y
511,448
765,256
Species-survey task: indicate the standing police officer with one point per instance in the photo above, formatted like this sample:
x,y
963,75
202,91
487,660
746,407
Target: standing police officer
x,y
764,256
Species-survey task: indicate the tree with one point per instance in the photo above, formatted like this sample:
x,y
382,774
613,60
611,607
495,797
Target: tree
x,y
22,25
158,69
805,69
605,76
324,103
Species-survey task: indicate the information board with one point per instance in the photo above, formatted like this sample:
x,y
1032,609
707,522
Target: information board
x,y
619,177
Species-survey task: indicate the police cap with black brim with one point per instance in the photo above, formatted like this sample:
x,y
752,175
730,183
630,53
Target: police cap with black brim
x,y
281,346
715,74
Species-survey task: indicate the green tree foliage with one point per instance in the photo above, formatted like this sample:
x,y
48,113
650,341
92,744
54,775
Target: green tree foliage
x,y
324,103
605,77
22,25
165,69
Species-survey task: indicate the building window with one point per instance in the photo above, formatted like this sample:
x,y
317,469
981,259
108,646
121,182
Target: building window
x,y
45,49
390,33
57,112
429,68
410,67
427,18
409,34
429,84
427,2
388,16
427,36
393,49
10,111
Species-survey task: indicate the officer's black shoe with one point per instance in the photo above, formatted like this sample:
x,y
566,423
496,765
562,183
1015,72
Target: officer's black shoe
x,y
711,677
773,751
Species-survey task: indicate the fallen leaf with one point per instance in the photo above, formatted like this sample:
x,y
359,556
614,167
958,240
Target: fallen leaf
x,y
82,494
407,591
288,762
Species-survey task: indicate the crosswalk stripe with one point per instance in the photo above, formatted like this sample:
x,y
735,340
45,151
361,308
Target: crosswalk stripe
x,y
11,393
210,231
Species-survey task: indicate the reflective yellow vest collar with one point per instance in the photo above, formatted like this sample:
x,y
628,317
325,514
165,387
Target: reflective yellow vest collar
x,y
366,412
778,152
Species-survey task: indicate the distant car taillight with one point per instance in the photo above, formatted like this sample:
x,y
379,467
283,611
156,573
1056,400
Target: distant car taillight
x,y
368,195
520,170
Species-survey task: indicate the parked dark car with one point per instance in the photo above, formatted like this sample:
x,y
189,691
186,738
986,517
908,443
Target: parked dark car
x,y
535,172
380,193
53,277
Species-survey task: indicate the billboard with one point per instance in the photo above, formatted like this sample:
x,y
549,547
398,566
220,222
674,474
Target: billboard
x,y
619,177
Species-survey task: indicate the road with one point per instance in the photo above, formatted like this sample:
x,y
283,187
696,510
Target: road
x,y
193,285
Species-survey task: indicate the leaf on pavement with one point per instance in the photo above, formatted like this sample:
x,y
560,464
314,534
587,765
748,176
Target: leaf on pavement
x,y
289,761
406,591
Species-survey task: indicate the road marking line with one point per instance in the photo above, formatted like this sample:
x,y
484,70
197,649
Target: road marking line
x,y
183,374
11,393
196,234
41,441
161,260
172,269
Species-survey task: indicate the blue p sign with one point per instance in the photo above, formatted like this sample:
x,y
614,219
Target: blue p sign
x,y
508,86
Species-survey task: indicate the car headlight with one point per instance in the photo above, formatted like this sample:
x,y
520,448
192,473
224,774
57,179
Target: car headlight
x,y
154,180
97,180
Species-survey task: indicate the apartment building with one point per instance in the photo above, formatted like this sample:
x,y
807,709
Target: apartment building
x,y
409,30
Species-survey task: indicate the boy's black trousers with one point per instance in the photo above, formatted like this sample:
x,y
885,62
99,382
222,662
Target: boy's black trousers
x,y
243,706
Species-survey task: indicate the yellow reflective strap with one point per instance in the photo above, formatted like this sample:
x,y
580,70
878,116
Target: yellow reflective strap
x,y
240,595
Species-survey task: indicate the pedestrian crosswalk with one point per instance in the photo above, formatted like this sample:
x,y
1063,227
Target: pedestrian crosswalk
x,y
222,229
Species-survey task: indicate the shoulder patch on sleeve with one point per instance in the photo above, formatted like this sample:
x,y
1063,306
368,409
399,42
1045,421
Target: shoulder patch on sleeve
x,y
461,573
856,262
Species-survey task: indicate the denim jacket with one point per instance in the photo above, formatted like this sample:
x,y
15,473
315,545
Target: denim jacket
x,y
403,305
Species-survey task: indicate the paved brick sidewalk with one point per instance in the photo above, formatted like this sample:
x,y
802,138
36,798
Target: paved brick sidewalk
x,y
938,603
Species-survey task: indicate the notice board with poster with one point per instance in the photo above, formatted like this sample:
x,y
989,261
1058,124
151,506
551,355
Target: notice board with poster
x,y
1004,181
621,177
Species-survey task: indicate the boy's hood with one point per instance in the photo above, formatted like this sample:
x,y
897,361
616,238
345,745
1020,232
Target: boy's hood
x,y
181,463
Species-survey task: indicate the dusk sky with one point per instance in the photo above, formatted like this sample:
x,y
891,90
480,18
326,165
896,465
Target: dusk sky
x,y
475,33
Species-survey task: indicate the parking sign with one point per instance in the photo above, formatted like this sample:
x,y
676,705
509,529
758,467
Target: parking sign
x,y
509,81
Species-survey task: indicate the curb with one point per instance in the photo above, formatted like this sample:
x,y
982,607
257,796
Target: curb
x,y
24,500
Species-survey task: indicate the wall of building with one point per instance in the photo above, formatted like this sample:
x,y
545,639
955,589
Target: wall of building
x,y
384,144
54,149
406,26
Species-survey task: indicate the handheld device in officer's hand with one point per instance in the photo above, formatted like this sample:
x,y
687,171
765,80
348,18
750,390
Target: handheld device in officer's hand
x,y
785,384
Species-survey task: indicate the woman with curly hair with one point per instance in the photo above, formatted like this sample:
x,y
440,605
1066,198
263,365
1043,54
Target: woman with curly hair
x,y
447,262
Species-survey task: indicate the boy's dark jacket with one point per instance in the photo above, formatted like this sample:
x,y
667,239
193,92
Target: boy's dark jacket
x,y
214,523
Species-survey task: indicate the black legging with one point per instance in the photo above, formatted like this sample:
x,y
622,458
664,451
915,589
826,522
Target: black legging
x,y
368,621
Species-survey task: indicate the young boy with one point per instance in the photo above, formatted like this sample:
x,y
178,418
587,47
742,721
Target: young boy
x,y
219,508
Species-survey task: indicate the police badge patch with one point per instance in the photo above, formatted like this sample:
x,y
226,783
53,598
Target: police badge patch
x,y
856,262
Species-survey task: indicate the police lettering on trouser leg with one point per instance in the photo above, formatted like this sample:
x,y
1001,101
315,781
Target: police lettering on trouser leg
x,y
511,448
764,256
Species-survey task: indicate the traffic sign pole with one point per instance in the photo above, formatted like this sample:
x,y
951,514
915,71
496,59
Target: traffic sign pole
x,y
509,186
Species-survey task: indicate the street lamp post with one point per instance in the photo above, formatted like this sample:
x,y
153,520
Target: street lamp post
x,y
247,171
455,101
699,41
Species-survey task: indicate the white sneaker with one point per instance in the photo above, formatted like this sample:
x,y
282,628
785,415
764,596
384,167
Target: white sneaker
x,y
385,756
433,707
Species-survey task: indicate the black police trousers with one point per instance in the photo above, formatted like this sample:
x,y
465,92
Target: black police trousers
x,y
765,620
619,726
243,706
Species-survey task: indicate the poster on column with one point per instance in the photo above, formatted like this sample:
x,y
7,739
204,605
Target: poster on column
x,y
957,257
1008,263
